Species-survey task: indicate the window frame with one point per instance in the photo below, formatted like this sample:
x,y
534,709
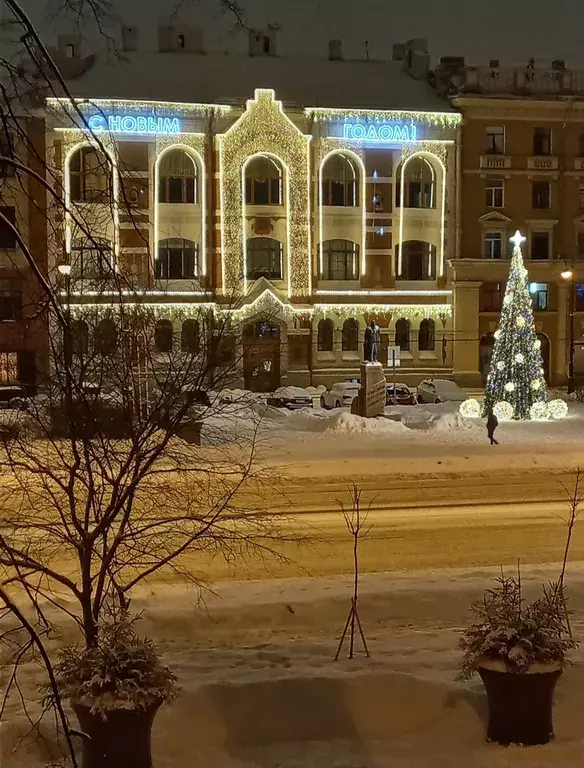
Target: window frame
x,y
492,187
341,254
274,184
535,197
164,263
163,331
487,251
350,335
533,235
544,135
253,249
321,338
165,182
80,192
536,296
347,186
9,362
403,322
429,335
491,132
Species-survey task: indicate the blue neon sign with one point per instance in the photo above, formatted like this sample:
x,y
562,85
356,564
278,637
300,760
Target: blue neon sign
x,y
134,124
388,133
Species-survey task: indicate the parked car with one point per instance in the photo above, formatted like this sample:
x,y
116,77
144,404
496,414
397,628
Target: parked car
x,y
440,391
291,398
403,395
341,393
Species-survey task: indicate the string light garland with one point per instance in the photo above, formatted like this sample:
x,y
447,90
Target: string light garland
x,y
515,381
503,410
441,119
407,311
470,408
265,128
182,108
557,409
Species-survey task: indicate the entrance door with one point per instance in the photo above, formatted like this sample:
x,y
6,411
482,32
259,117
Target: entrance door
x,y
261,357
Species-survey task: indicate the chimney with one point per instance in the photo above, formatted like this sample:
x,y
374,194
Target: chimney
x,y
417,58
335,50
399,52
129,38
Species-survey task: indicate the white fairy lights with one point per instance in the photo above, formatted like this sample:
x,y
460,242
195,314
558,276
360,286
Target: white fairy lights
x,y
503,410
539,411
470,409
557,409
264,127
516,375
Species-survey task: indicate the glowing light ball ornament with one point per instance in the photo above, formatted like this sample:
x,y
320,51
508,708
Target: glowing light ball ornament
x,y
511,389
470,409
539,411
503,410
558,409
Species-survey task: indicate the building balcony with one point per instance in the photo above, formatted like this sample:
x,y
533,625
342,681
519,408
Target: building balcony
x,y
542,163
495,162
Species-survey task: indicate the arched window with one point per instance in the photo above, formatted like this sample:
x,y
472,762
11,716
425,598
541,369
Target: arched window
x,y
418,260
264,258
177,178
189,336
419,184
178,259
325,336
350,335
340,260
402,334
264,181
91,259
163,336
80,337
340,181
426,336
105,338
89,176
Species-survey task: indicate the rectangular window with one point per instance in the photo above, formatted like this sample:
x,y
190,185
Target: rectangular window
x,y
539,296
8,367
579,297
542,141
490,297
10,299
494,190
540,195
540,246
493,245
496,140
6,150
7,236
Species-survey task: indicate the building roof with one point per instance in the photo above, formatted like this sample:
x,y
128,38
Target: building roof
x,y
232,79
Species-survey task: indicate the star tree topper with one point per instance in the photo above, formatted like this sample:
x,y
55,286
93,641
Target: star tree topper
x,y
517,239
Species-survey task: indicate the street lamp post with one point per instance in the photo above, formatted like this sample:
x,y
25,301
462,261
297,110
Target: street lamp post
x,y
568,274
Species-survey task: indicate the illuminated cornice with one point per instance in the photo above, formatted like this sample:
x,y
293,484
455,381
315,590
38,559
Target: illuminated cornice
x,y
326,292
181,107
339,113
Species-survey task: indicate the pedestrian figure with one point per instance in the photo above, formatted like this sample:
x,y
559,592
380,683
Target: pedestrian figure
x,y
492,424
368,344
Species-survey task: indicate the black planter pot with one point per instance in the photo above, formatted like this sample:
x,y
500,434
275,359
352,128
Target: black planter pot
x,y
121,740
520,706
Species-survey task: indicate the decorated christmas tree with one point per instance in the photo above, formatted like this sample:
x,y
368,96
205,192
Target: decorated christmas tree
x,y
516,388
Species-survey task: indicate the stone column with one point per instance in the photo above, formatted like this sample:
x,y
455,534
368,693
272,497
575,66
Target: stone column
x,y
466,333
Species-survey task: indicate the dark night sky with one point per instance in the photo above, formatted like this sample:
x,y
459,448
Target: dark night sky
x,y
512,30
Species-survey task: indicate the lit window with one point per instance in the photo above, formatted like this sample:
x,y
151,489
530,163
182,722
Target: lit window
x,y
8,367
539,296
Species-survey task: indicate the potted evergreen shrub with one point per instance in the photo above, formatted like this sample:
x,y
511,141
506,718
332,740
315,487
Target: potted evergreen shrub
x,y
115,688
519,649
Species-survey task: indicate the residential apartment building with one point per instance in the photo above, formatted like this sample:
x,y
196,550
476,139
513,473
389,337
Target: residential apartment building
x,y
520,166
23,332
307,198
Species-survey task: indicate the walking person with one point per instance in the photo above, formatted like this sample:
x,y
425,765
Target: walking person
x,y
492,424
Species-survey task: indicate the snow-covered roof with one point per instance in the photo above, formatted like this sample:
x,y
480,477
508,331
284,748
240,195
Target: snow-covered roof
x,y
232,78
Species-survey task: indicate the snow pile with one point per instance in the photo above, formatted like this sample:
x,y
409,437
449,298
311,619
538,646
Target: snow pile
x,y
291,391
449,422
347,423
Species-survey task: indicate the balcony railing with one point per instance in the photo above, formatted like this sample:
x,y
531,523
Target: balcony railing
x,y
542,163
495,162
522,80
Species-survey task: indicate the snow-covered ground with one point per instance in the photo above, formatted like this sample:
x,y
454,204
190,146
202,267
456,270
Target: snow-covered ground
x,y
261,689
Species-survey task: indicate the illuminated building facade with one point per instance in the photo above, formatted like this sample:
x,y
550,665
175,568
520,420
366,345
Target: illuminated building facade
x,y
316,219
